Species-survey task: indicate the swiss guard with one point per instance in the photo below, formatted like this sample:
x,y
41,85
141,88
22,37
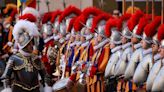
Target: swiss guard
x,y
25,65
137,50
155,60
158,83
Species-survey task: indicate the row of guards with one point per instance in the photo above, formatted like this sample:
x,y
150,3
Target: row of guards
x,y
86,51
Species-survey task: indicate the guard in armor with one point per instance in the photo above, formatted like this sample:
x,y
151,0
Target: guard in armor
x,y
116,52
101,51
31,14
158,83
136,56
48,61
24,65
87,21
145,65
127,51
155,56
64,21
54,20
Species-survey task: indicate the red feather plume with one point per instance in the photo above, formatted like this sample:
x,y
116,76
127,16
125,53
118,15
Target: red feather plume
x,y
151,29
71,24
97,19
54,15
109,25
69,10
90,11
46,17
123,18
78,23
160,34
141,25
134,20
30,17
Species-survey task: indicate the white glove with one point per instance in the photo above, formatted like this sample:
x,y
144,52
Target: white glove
x,y
47,88
7,90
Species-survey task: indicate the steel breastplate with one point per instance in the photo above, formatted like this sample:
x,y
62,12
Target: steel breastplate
x,y
26,71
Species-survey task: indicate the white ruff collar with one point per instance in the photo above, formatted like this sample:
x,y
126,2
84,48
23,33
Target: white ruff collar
x,y
157,57
116,49
48,39
138,45
78,43
101,44
68,36
148,51
56,37
88,37
24,53
124,46
85,44
61,40
73,44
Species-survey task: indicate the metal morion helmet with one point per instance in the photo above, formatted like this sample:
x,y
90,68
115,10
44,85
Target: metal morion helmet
x,y
122,25
112,31
54,19
151,29
65,18
133,21
160,35
47,27
23,32
99,23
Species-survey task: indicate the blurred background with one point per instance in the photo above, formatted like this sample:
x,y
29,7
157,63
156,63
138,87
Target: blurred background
x,y
106,5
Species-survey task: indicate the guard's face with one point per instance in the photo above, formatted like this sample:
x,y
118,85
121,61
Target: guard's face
x,y
112,45
72,39
29,47
99,38
155,48
134,40
77,37
144,44
123,39
82,39
161,52
45,35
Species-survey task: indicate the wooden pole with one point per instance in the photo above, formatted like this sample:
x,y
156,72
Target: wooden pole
x,y
153,10
132,6
162,11
47,3
64,4
123,6
38,3
147,6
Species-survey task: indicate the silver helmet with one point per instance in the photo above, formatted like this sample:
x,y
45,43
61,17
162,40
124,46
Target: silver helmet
x,y
115,36
101,27
89,22
56,25
23,32
146,38
126,33
63,28
155,40
47,29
